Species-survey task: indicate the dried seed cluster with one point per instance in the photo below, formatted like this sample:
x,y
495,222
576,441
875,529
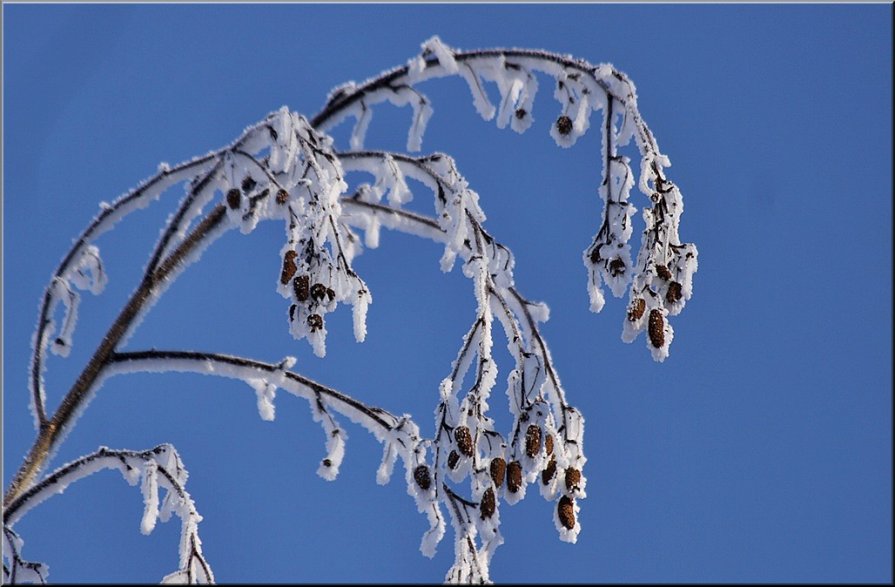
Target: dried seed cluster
x,y
548,473
289,266
573,479
498,469
533,440
656,328
464,440
453,459
514,476
566,511
488,504
564,125
422,477
234,198
638,307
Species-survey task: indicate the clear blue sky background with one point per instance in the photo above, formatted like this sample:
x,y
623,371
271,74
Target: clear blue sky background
x,y
759,451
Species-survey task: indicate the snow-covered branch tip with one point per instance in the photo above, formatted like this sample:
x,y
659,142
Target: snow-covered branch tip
x,y
285,168
154,469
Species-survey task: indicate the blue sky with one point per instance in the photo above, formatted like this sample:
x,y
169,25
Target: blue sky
x,y
759,451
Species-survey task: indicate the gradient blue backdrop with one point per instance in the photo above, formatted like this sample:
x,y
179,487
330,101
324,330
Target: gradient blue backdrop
x,y
760,451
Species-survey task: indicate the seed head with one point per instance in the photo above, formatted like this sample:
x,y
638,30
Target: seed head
x,y
301,287
488,504
573,479
674,293
453,459
533,440
638,307
464,440
663,272
514,476
566,511
656,328
564,125
498,471
233,198
315,322
289,267
548,473
422,477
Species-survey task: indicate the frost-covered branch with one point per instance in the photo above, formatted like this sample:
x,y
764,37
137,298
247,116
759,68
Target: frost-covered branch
x,y
286,169
154,469
661,279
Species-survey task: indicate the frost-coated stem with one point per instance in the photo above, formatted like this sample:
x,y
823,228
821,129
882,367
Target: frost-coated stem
x,y
52,430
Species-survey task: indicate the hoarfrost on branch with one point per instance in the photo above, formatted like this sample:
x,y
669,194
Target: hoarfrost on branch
x,y
287,169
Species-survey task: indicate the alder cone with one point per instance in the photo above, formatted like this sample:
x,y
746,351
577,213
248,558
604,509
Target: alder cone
x,y
514,476
289,267
464,440
233,198
675,292
422,477
616,267
663,272
566,511
548,473
282,197
638,307
498,471
315,322
453,459
564,125
573,478
656,328
318,291
548,444
301,285
488,504
533,441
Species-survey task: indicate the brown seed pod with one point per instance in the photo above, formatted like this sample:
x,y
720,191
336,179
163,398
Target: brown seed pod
x,y
548,473
566,511
488,504
422,477
464,440
573,478
330,294
453,459
656,328
564,125
638,307
233,198
248,184
616,267
300,287
533,441
315,322
282,197
289,267
514,476
663,272
318,291
498,471
674,293
548,444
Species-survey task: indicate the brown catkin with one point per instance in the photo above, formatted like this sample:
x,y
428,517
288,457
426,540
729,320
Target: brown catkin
x,y
318,291
315,322
514,476
573,479
656,328
663,272
548,473
638,307
498,471
422,477
488,504
289,267
301,287
233,198
464,440
564,125
533,440
674,293
566,511
616,267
